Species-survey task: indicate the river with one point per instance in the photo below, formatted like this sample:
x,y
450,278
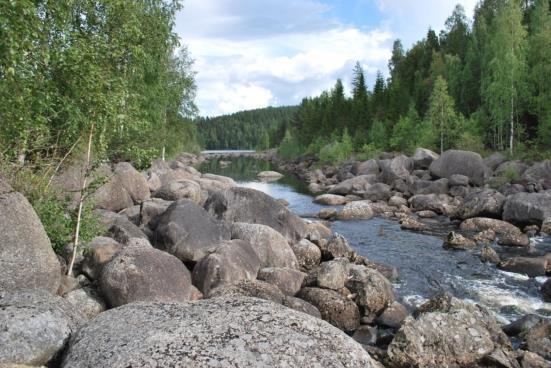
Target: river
x,y
425,267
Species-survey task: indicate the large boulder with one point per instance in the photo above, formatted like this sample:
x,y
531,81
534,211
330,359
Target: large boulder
x,y
132,181
397,168
482,203
369,167
483,223
251,288
511,168
422,158
335,247
87,301
332,274
377,192
439,203
272,248
230,262
141,273
334,308
308,254
538,171
288,280
494,160
97,254
354,185
27,260
530,266
220,332
252,206
187,231
357,210
119,227
374,291
527,208
460,162
35,326
150,211
183,189
449,333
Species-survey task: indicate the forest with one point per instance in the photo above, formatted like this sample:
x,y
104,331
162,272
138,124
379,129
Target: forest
x,y
254,129
110,69
480,85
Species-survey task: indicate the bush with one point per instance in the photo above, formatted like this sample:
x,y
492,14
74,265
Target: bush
x,y
337,151
290,147
368,152
511,175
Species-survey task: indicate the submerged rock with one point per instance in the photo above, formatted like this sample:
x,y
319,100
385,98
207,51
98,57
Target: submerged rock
x,y
458,241
243,332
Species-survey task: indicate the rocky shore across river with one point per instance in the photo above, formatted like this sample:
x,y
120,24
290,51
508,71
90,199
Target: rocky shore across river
x,y
194,271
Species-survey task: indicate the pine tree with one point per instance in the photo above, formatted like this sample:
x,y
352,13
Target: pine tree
x,y
360,101
441,110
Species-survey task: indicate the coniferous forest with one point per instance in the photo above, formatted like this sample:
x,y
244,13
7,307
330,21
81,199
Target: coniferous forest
x,y
480,85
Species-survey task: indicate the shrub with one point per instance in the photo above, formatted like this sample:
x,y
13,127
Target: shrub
x,y
290,147
337,151
511,175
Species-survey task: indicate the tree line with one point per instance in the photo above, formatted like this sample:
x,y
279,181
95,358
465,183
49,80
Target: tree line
x,y
112,69
478,85
254,129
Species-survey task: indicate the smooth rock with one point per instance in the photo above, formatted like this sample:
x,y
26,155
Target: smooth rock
x,y
530,266
465,163
409,223
330,199
288,280
393,316
422,158
183,189
86,301
527,208
250,288
301,306
132,181
220,332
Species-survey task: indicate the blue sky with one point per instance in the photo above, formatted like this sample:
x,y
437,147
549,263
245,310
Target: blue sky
x,y
257,53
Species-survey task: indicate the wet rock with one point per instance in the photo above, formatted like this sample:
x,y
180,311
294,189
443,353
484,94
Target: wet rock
x,y
359,210
288,280
250,288
252,206
465,163
458,241
86,301
483,223
522,325
538,339
546,226
186,231
333,274
374,291
272,248
377,192
231,262
327,213
426,214
422,158
330,199
527,207
315,188
308,254
514,240
301,306
334,308
393,316
409,223
366,335
27,260
530,266
336,247
98,253
34,326
209,333
482,203
144,274
546,291
488,254
183,189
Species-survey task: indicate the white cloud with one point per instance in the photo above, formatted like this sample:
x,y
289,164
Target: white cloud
x,y
251,53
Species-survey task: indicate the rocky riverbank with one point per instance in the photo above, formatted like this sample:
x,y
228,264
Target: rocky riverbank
x,y
195,271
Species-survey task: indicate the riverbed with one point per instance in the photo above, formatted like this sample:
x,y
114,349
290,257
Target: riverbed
x,y
425,267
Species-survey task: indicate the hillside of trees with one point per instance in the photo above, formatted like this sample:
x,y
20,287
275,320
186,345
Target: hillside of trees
x,y
113,68
478,85
253,129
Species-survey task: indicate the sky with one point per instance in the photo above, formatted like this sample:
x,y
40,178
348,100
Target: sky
x,y
256,53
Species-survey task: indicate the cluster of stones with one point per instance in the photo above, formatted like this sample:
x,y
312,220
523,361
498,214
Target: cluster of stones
x,y
195,271
459,185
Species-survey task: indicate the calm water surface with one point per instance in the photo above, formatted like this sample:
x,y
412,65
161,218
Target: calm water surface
x,y
425,267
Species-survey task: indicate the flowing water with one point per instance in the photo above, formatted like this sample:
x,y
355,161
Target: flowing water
x,y
425,267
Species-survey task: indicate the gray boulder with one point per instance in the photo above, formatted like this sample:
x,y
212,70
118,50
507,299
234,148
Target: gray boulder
x,y
457,241
377,192
132,181
308,254
516,167
251,288
482,203
86,301
439,203
330,199
144,274
221,332
357,210
252,206
530,266
494,160
538,171
288,280
230,262
119,227
151,209
27,260
527,208
272,248
334,308
354,185
422,158
183,189
332,274
458,180
35,326
439,186
374,291
369,167
397,168
186,231
460,162
301,306
97,254
335,247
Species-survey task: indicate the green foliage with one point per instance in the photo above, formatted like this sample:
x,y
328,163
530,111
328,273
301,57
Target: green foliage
x,y
404,132
511,175
368,152
290,147
441,113
378,135
338,150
